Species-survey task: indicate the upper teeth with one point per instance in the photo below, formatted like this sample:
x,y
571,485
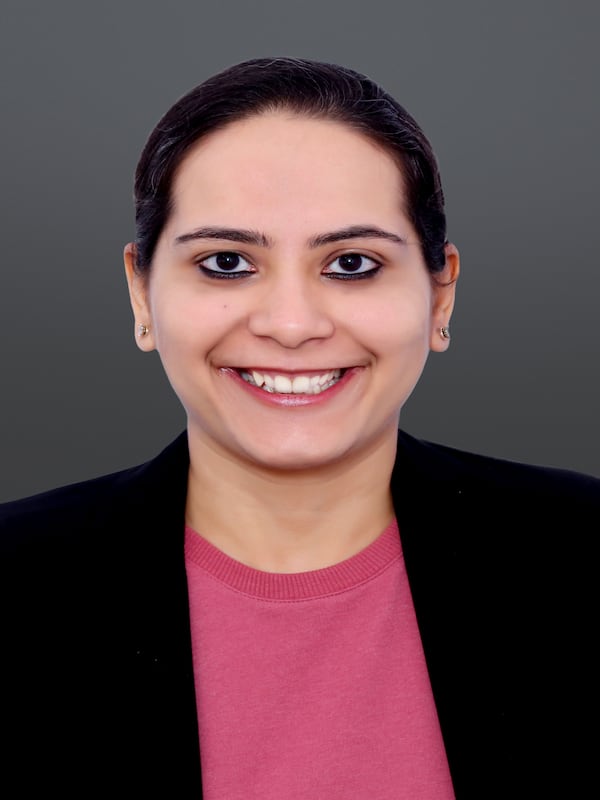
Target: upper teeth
x,y
299,384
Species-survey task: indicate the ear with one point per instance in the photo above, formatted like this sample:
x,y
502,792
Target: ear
x,y
138,295
444,290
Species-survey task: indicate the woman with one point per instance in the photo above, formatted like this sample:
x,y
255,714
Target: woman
x,y
292,600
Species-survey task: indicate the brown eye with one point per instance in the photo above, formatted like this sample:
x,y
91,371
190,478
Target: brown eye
x,y
227,261
352,265
225,264
351,262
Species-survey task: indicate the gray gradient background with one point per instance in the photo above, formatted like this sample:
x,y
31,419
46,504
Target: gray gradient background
x,y
508,95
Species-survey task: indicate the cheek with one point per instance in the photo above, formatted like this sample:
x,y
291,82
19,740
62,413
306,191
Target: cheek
x,y
186,322
394,323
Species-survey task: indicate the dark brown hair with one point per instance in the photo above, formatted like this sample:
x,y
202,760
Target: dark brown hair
x,y
311,88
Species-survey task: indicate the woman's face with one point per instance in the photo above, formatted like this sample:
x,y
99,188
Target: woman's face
x,y
288,297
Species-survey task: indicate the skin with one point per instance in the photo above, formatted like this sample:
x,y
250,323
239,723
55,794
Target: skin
x,y
279,486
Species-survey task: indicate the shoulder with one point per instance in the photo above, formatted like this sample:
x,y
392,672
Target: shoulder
x,y
437,465
92,505
94,578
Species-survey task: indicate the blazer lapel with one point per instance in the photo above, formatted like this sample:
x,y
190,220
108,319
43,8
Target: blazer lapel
x,y
453,581
158,640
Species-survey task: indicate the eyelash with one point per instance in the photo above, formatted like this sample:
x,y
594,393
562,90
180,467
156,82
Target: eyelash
x,y
336,276
354,276
213,273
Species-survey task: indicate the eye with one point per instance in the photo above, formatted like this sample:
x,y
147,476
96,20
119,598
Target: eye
x,y
225,265
352,266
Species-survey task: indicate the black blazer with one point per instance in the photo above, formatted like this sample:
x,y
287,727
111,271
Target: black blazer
x,y
97,680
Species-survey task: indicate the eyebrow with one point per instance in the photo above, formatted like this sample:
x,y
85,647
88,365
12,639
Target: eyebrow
x,y
246,236
230,234
355,232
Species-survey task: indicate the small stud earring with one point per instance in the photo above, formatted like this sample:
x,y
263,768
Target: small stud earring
x,y
445,332
142,330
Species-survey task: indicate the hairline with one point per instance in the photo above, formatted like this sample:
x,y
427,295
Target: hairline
x,y
295,111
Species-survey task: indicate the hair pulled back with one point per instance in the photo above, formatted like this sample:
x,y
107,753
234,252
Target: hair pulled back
x,y
310,88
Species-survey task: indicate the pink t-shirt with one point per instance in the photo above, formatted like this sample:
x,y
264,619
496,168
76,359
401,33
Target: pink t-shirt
x,y
312,684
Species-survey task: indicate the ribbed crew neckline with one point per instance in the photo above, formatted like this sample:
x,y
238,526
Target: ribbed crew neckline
x,y
351,572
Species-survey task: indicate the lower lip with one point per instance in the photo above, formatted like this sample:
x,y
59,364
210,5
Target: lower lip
x,y
293,400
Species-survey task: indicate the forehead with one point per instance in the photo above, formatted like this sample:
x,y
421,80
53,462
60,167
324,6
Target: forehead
x,y
282,166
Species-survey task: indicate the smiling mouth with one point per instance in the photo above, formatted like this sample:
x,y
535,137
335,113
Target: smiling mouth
x,y
297,384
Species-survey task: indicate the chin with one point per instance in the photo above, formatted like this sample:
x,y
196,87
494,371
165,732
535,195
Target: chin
x,y
290,457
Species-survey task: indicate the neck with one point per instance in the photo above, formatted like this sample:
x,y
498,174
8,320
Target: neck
x,y
289,521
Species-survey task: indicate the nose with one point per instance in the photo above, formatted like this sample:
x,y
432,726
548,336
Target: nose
x,y
291,311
